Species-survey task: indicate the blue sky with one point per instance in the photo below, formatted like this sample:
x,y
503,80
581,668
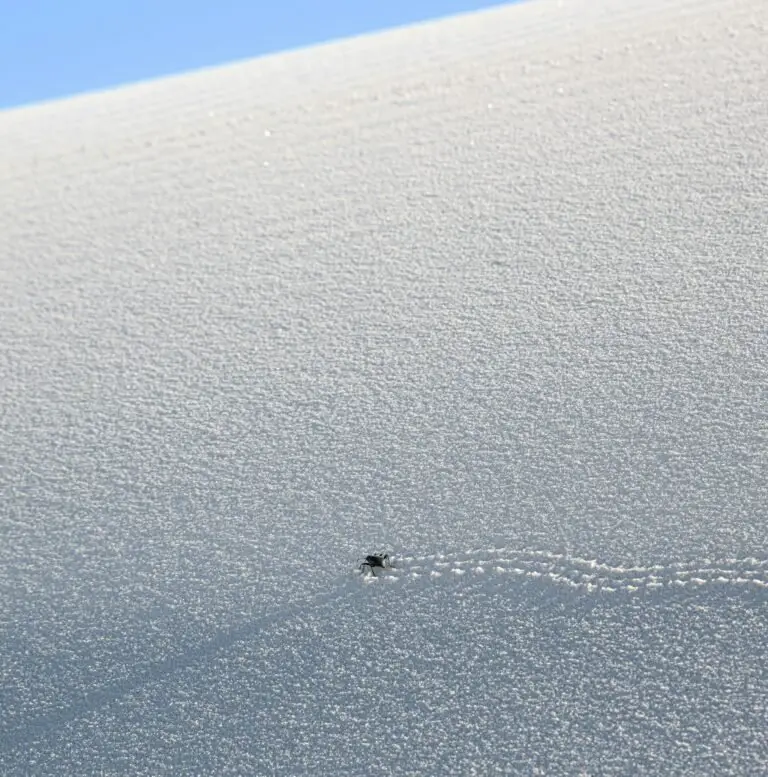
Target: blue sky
x,y
55,48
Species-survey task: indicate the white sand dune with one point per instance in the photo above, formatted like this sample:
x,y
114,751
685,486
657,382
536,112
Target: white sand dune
x,y
489,294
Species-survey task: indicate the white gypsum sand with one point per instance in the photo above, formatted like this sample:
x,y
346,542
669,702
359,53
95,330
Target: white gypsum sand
x,y
488,294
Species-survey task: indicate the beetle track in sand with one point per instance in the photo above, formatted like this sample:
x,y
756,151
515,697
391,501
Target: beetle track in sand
x,y
580,574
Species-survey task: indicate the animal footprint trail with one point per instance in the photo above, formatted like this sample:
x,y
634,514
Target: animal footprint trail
x,y
580,574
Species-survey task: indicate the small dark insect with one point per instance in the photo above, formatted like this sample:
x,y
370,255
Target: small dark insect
x,y
380,560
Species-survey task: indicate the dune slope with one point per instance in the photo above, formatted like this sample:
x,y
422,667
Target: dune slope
x,y
487,293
